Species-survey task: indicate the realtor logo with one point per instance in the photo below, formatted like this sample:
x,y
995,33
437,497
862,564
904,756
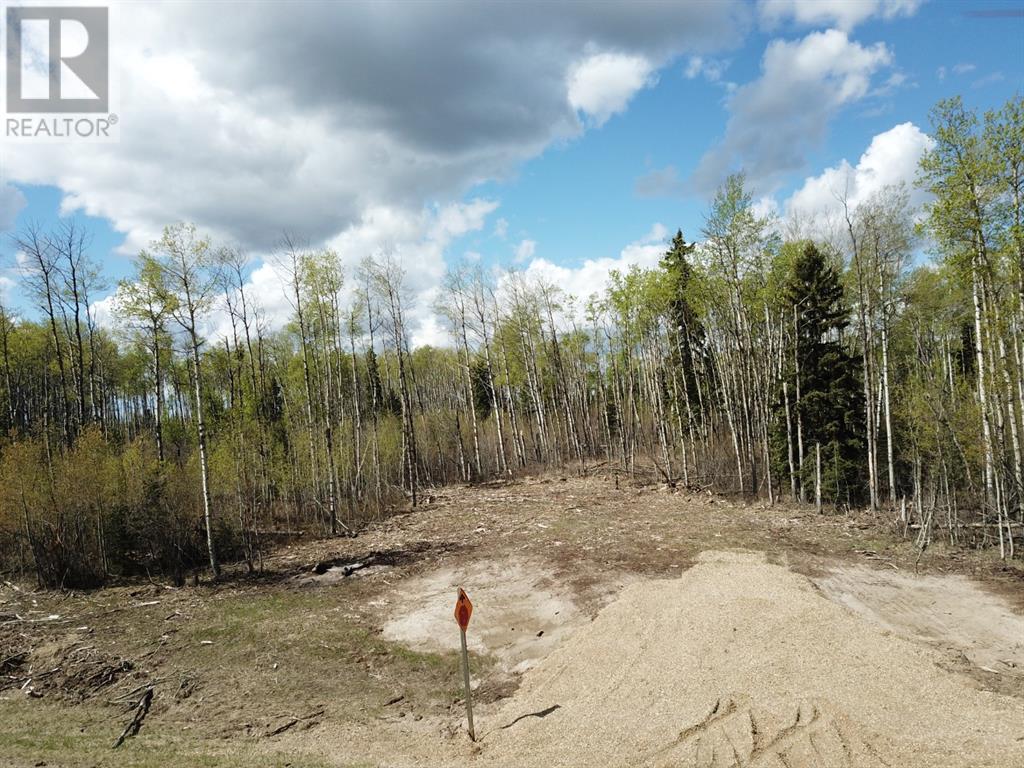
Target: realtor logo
x,y
58,60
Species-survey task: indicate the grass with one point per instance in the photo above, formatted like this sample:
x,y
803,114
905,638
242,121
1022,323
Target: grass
x,y
258,659
299,649
34,733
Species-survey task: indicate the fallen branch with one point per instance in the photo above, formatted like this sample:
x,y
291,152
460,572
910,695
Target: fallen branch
x,y
347,569
282,728
292,721
141,710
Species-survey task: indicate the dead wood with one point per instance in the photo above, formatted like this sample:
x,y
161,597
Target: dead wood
x,y
292,721
141,710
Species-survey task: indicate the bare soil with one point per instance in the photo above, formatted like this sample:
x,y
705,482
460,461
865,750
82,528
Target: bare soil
x,y
520,614
950,612
341,652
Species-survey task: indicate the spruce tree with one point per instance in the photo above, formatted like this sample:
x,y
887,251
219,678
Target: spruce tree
x,y
831,401
687,330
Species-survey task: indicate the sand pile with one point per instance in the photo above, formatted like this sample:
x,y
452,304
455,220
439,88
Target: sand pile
x,y
742,663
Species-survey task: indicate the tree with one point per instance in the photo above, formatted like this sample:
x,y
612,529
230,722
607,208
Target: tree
x,y
972,219
686,338
738,251
183,259
733,362
827,376
146,303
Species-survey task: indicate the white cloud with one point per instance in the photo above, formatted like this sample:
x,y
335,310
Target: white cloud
x,y
894,81
455,220
501,228
419,249
105,314
843,14
353,124
963,68
602,85
418,242
776,119
11,272
765,207
12,203
592,275
993,77
891,159
7,285
711,69
302,119
525,251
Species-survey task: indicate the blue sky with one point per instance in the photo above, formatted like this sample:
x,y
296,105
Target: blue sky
x,y
578,200
579,139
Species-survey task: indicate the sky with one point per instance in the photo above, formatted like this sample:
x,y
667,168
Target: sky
x,y
560,140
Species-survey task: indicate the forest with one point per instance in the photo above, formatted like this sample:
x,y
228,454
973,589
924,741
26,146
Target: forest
x,y
875,360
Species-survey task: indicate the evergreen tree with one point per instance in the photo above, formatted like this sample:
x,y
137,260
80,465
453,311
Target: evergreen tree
x,y
831,403
687,331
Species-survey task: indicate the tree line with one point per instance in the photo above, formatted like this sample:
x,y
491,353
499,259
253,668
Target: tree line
x,y
825,361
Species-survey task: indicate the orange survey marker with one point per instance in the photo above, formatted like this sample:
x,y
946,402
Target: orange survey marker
x,y
463,609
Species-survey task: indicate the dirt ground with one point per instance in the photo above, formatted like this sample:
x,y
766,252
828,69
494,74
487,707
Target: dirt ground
x,y
342,652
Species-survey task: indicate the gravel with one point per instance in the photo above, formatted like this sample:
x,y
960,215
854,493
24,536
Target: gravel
x,y
739,662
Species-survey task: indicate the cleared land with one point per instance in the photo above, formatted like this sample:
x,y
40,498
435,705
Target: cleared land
x,y
795,639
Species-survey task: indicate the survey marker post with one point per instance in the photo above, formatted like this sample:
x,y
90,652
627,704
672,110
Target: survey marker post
x,y
463,611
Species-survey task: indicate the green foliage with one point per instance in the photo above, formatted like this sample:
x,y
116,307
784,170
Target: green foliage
x,y
831,403
688,335
481,382
684,363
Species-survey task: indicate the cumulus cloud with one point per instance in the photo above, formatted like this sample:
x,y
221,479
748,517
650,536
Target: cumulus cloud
x,y
12,203
602,85
353,125
777,117
416,241
301,118
591,276
891,159
843,14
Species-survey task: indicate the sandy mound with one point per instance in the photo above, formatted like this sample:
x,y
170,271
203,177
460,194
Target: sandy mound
x,y
740,663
